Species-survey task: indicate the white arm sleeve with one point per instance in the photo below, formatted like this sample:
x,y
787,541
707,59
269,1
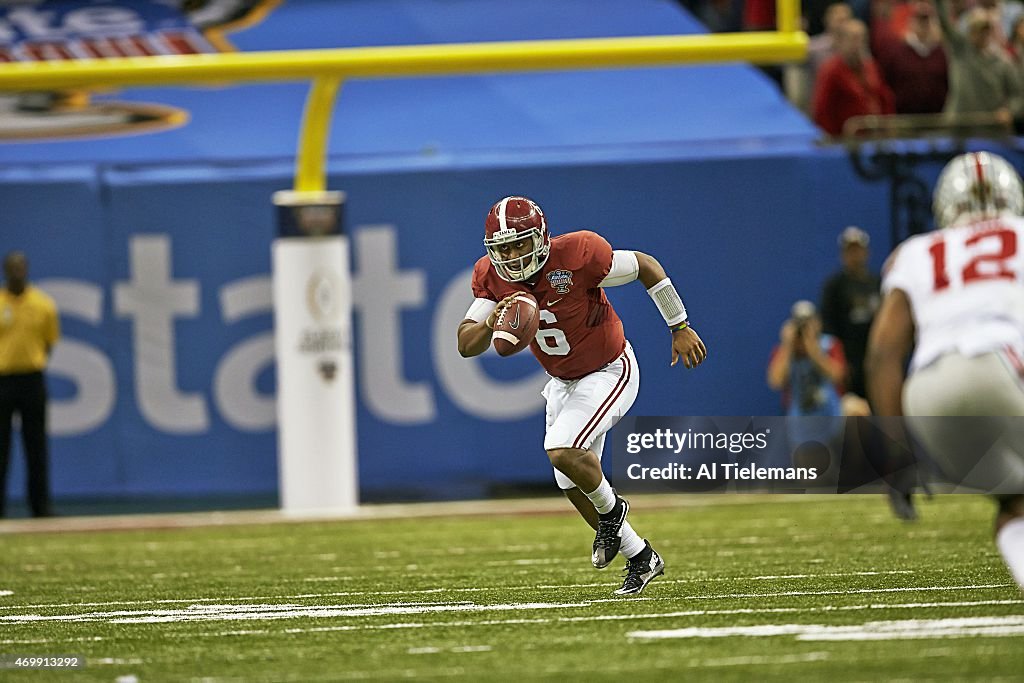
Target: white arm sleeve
x,y
624,269
480,309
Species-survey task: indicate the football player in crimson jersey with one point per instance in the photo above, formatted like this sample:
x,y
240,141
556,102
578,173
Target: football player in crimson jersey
x,y
957,292
580,343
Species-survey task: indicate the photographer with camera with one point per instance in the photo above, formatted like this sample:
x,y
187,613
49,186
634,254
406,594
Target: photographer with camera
x,y
808,367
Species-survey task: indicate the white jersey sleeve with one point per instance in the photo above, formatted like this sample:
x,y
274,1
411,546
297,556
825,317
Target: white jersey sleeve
x,y
966,288
625,269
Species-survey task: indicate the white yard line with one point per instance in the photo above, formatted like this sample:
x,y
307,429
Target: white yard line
x,y
855,591
767,659
828,575
456,649
263,612
632,617
441,590
976,627
196,613
916,629
790,610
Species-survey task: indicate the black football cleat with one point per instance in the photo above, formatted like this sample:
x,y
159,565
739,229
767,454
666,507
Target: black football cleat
x,y
609,534
902,504
641,570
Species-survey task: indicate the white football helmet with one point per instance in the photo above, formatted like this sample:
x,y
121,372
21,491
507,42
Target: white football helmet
x,y
977,186
510,220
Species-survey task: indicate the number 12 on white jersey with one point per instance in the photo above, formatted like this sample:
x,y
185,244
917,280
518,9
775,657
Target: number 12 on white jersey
x,y
986,255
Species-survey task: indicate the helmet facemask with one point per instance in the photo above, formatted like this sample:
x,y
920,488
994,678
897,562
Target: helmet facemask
x,y
511,220
518,268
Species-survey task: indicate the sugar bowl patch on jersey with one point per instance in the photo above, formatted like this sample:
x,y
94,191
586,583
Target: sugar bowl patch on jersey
x,y
561,280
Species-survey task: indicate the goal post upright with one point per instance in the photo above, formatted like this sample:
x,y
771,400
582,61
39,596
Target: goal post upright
x,y
312,284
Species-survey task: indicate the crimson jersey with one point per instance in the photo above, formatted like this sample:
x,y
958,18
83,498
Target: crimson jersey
x,y
579,330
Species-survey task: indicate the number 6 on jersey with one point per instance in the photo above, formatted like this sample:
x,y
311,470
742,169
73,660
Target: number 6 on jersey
x,y
551,340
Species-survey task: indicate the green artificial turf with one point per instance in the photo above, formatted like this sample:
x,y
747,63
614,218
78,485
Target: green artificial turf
x,y
508,597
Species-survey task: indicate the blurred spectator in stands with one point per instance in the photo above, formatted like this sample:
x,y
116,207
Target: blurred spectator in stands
x,y
813,14
721,16
890,20
850,83
915,66
800,79
1002,15
1013,13
823,46
807,366
849,301
884,26
981,78
759,15
1015,46
1015,50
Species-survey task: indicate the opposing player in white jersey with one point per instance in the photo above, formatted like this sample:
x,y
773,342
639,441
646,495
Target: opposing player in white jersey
x,y
959,292
594,375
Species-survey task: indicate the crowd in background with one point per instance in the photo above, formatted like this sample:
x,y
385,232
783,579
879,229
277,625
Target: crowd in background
x,y
894,56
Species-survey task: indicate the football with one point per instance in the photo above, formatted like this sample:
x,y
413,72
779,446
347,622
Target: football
x,y
516,326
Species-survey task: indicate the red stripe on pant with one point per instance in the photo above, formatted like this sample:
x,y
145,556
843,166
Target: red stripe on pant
x,y
603,409
1015,361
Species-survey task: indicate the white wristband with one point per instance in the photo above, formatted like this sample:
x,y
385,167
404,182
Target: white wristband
x,y
669,304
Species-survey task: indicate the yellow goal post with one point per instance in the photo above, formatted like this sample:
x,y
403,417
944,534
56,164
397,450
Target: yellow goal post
x,y
328,68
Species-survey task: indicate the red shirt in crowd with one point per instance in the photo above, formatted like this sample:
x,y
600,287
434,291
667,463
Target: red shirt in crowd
x,y
919,82
841,93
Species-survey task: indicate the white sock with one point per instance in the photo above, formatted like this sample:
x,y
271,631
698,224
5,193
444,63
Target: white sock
x,y
1010,541
632,544
603,497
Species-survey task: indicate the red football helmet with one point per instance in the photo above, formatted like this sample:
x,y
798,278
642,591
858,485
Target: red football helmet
x,y
510,220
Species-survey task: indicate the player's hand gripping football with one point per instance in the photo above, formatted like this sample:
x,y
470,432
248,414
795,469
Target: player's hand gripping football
x,y
499,308
688,346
